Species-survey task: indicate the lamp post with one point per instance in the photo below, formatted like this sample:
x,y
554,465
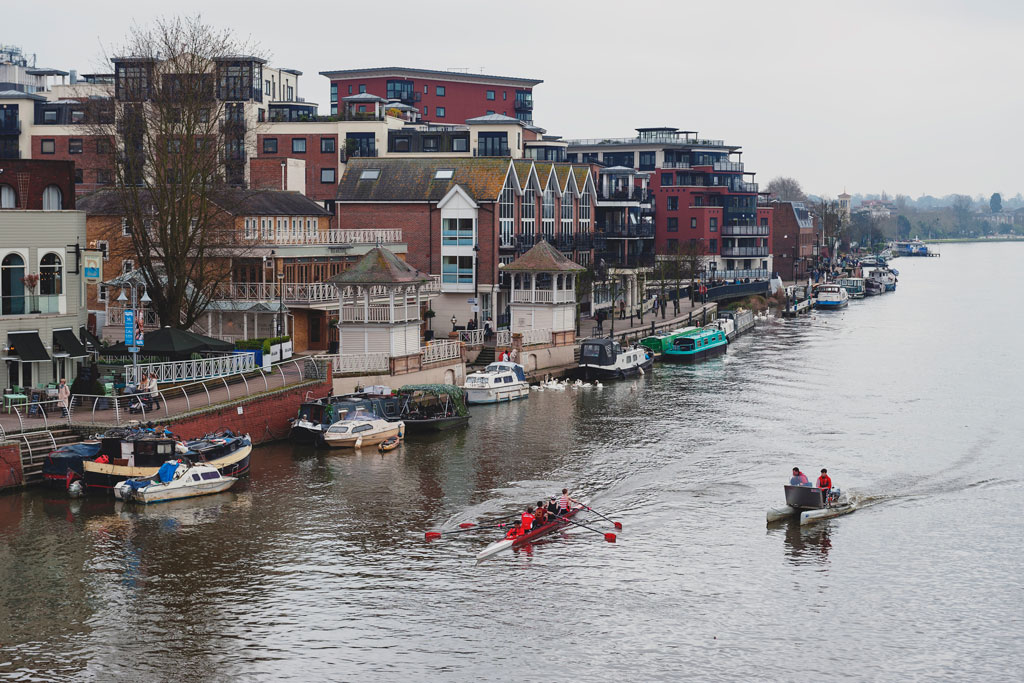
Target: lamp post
x,y
453,322
280,301
476,284
136,322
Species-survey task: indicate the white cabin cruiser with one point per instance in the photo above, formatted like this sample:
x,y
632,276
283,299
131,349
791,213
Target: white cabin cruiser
x,y
727,325
606,359
174,481
364,431
499,381
831,297
808,503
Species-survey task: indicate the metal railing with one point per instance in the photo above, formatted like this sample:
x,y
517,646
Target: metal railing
x,y
744,251
441,351
728,166
668,138
503,338
738,274
744,230
115,316
285,236
541,336
361,362
685,165
191,370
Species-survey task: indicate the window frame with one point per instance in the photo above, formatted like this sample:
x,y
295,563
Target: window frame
x,y
328,142
440,112
75,146
48,142
303,143
268,143
489,96
332,171
439,91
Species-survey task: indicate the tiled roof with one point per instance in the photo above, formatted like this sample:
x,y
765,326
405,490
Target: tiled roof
x,y
581,176
238,202
380,266
543,257
523,167
562,173
413,180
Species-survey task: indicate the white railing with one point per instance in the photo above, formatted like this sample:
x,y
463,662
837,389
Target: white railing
x,y
284,237
676,164
377,314
192,370
361,362
503,338
543,296
728,166
542,336
310,292
441,350
471,337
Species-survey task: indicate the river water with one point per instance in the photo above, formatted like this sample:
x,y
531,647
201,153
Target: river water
x,y
317,568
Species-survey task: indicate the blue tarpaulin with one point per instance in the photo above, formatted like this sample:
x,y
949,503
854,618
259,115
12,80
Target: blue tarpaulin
x,y
137,484
167,471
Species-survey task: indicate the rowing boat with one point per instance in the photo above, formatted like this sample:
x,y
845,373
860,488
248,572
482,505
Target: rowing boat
x,y
808,503
543,530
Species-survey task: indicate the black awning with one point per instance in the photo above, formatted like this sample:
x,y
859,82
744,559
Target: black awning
x,y
90,339
69,343
27,347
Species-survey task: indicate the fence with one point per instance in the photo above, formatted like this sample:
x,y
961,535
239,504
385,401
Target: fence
x,y
441,350
364,363
187,370
541,336
503,338
471,337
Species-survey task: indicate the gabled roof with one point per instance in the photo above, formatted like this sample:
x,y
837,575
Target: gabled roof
x,y
235,201
527,174
543,258
413,180
380,266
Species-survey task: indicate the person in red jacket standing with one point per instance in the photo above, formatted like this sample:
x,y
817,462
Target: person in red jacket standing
x,y
825,484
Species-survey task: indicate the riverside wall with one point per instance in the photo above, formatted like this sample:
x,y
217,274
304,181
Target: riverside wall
x,y
11,475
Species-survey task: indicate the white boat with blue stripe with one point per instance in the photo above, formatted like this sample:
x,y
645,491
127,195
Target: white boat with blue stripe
x,y
499,381
831,297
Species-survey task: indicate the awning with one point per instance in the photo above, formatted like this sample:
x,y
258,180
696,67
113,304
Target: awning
x,y
90,339
27,347
69,343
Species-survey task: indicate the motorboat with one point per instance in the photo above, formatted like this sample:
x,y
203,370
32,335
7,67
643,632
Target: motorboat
x,y
809,505
697,346
173,481
742,317
499,381
433,407
884,276
316,415
830,297
359,432
873,287
606,359
854,286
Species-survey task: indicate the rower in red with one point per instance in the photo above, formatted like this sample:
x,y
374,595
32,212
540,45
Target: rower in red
x,y
825,484
540,514
526,521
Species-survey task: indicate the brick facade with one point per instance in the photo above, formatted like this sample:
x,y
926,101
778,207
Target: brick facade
x,y
30,177
92,161
10,465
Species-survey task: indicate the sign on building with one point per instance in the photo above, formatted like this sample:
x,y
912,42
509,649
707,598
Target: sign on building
x,y
92,264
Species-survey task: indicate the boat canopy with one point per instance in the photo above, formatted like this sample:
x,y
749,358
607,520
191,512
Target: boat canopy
x,y
599,352
501,366
426,394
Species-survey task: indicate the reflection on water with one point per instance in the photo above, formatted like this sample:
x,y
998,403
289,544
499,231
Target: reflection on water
x,y
317,568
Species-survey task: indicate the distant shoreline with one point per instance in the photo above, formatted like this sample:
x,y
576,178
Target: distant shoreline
x,y
975,239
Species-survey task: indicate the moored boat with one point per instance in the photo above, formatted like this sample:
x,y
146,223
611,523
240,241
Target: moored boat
x,y
174,481
533,534
696,347
742,317
432,407
854,286
808,505
604,359
359,432
830,297
657,343
884,276
499,381
315,416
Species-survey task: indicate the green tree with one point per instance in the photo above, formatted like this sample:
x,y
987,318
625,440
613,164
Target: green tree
x,y
903,227
995,202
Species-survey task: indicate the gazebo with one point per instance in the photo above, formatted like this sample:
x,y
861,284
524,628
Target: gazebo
x,y
379,301
543,297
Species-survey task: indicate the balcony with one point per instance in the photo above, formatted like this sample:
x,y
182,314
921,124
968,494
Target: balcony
x,y
524,103
747,230
543,296
728,166
744,251
286,237
619,230
636,194
10,127
684,165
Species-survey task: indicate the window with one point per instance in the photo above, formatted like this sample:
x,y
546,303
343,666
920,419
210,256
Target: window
x,y
370,174
397,90
426,110
127,266
104,246
8,200
693,223
362,108
490,111
444,174
101,293
51,275
334,93
75,146
457,232
361,144
567,214
764,222
672,203
327,175
362,88
50,116
492,144
400,144
714,225
547,207
126,227
47,146
298,145
672,223
713,246
457,270
439,111
266,87
430,143
270,145
504,94
12,289
53,198
668,179
528,210
103,146
328,145
490,95
79,176
647,161
673,246
440,91
460,144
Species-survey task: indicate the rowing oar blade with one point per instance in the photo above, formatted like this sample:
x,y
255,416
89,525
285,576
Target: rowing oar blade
x,y
610,537
466,525
431,535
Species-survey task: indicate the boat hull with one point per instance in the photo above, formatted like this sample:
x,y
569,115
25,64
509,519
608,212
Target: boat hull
x,y
105,476
373,439
485,395
830,305
695,357
303,434
165,495
440,424
498,546
589,373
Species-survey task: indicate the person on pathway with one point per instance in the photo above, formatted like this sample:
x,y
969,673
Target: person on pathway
x,y
825,484
526,521
798,478
64,396
564,501
622,309
600,320
664,305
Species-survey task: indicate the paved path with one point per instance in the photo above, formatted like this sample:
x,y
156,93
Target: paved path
x,y
631,327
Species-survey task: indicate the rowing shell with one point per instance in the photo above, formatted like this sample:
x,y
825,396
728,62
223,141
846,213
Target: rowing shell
x,y
498,546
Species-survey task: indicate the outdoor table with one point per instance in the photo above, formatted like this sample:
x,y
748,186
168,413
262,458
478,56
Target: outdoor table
x,y
11,399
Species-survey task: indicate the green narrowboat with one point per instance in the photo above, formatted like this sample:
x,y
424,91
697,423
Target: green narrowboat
x,y
696,346
660,342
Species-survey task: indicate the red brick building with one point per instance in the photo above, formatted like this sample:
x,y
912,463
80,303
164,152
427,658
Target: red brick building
x,y
793,240
440,96
37,184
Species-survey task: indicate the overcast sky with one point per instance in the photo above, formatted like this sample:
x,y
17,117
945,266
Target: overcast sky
x,y
900,95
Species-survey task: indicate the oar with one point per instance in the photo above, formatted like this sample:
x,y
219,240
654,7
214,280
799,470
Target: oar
x,y
618,525
465,526
608,536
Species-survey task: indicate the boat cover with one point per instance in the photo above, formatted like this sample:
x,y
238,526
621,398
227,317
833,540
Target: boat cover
x,y
167,471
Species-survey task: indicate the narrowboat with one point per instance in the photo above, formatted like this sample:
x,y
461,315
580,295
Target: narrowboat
x,y
432,407
315,416
830,297
854,286
499,381
606,359
696,347
657,344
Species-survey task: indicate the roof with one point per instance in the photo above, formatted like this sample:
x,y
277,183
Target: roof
x,y
543,257
19,95
363,97
237,202
45,72
494,119
380,266
434,73
412,180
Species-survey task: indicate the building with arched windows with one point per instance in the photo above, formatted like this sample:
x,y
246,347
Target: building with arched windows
x,y
42,310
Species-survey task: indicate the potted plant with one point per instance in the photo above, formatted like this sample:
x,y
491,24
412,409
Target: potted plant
x,y
30,281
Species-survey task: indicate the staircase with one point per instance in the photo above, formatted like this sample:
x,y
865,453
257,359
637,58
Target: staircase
x,y
35,446
486,356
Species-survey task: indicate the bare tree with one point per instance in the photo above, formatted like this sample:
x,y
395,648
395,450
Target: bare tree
x,y
178,123
961,208
786,189
833,222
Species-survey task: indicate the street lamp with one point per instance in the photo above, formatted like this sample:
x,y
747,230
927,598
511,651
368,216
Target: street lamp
x,y
136,322
453,322
280,300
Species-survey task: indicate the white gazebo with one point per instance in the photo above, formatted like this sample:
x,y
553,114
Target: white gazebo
x,y
543,297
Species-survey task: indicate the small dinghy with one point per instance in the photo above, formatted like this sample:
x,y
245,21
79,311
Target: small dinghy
x,y
174,481
388,444
807,503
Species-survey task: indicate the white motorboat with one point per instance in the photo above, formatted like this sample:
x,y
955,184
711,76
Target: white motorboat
x,y
807,503
831,297
884,276
499,381
174,481
359,432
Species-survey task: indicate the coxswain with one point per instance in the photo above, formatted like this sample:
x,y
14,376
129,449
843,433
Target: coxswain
x,y
513,531
825,484
541,513
798,478
526,521
563,502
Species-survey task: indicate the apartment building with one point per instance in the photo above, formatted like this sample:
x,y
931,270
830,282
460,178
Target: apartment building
x,y
793,240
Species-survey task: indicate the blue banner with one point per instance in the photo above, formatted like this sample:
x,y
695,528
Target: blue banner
x,y
129,327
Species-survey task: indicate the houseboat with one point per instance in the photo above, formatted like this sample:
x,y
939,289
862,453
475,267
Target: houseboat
x,y
911,248
696,347
432,407
830,297
742,317
657,343
606,359
884,276
854,286
499,381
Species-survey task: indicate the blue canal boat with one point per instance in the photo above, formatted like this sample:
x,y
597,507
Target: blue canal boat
x,y
696,346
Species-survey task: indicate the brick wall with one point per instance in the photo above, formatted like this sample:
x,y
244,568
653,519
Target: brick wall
x,y
29,177
10,465
91,160
314,158
265,418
